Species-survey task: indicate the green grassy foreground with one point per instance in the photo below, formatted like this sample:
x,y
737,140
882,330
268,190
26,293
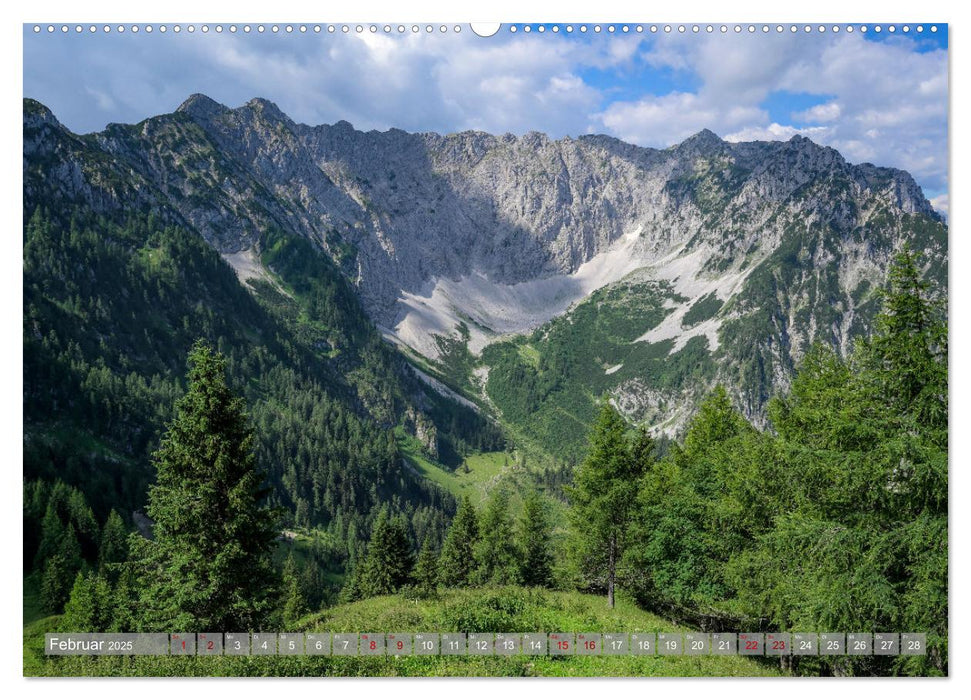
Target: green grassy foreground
x,y
508,609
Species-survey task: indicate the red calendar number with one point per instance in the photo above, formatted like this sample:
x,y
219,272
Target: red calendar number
x,y
779,644
400,645
210,645
751,644
563,644
373,646
590,645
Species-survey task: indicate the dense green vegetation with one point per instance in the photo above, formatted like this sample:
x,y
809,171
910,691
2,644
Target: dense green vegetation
x,y
331,469
111,307
703,309
208,564
836,519
547,384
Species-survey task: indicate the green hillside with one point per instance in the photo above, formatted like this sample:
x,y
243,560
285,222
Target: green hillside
x,y
509,609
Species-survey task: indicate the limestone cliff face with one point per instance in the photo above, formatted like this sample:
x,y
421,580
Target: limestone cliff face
x,y
506,232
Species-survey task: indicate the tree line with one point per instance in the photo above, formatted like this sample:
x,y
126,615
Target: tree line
x,y
832,519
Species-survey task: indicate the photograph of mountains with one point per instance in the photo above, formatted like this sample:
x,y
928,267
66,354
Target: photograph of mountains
x,y
394,331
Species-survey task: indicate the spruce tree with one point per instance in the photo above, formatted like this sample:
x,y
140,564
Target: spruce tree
x,y
52,533
602,498
908,351
90,605
208,566
388,562
497,560
295,603
59,572
533,539
426,569
114,542
55,581
457,561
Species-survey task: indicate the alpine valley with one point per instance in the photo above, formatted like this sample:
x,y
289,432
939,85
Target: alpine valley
x,y
410,315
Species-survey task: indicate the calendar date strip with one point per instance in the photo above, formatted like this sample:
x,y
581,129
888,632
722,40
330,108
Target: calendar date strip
x,y
401,644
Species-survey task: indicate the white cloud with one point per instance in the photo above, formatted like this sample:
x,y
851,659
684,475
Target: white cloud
x,y
826,112
776,132
881,102
661,121
941,204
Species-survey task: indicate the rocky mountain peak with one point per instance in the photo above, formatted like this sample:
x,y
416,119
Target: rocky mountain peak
x,y
704,139
201,106
267,109
501,234
37,115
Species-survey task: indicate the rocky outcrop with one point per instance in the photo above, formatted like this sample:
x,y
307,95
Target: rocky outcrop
x,y
504,232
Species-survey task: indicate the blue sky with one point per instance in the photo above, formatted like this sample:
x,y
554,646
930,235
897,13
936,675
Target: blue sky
x,y
877,97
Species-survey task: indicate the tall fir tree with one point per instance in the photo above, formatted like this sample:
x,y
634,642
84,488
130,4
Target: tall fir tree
x,y
534,543
90,607
294,601
55,584
426,569
497,560
388,563
208,566
603,496
456,564
908,351
113,549
52,533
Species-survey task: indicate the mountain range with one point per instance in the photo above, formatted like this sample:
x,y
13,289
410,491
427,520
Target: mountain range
x,y
524,276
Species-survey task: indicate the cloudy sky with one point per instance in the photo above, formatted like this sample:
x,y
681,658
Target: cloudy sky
x,y
881,98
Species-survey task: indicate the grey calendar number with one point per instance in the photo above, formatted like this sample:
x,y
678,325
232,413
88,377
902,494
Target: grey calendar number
x,y
426,644
264,643
913,644
724,643
642,643
507,644
345,644
236,644
291,643
453,643
589,644
669,643
317,643
859,644
210,644
372,644
562,644
751,643
886,644
480,643
696,643
535,644
616,644
805,644
183,644
778,644
832,644
399,644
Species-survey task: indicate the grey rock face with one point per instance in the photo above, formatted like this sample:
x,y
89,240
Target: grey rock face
x,y
422,223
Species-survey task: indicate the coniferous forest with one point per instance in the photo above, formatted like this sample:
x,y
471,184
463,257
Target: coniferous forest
x,y
169,471
204,452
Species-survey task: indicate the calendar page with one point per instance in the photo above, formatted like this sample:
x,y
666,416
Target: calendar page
x,y
514,349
